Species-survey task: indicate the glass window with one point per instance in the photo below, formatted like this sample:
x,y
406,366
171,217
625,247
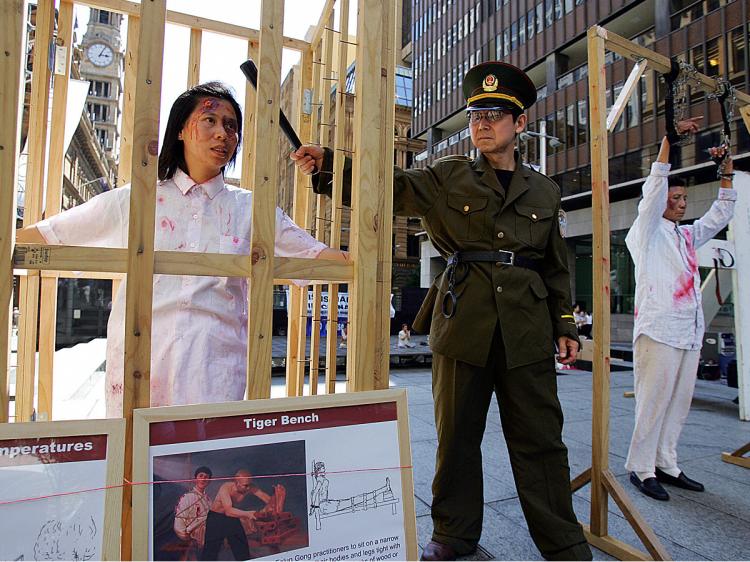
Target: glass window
x,y
620,122
737,56
558,9
104,16
506,42
548,12
559,127
539,17
568,6
583,121
713,58
646,87
513,36
498,47
522,30
530,25
570,125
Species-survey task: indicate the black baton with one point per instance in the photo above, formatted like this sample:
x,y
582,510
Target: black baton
x,y
251,73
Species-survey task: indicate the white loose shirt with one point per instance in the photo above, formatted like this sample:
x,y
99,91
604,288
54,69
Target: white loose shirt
x,y
667,292
199,327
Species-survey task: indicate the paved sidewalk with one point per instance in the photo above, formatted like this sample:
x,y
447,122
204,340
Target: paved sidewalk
x,y
713,525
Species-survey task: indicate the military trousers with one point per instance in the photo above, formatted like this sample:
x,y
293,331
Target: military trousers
x,y
532,420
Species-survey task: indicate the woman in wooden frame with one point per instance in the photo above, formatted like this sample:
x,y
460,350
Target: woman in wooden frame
x,y
199,322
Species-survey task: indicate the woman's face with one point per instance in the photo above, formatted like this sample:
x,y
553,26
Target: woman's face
x,y
210,137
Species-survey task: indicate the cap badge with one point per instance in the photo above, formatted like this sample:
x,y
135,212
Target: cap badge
x,y
490,83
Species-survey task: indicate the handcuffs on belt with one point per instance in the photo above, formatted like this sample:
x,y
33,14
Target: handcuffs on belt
x,y
450,297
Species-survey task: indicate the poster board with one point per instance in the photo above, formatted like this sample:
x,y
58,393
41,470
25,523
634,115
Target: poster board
x,y
69,476
326,476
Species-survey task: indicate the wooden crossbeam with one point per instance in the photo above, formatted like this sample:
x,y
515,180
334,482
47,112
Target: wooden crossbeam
x,y
627,90
738,457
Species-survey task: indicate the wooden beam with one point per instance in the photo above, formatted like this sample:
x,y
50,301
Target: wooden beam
x,y
194,22
625,93
36,143
48,301
614,547
260,294
130,61
660,63
114,260
642,529
601,267
12,34
581,480
296,336
325,16
363,303
194,58
385,196
339,144
140,252
738,457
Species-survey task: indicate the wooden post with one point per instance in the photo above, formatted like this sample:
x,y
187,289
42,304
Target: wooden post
x,y
32,213
140,264
264,201
385,197
12,59
600,226
366,198
125,164
295,357
339,155
194,58
48,302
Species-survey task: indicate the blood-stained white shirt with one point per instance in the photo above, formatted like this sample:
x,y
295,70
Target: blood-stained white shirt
x,y
667,292
199,330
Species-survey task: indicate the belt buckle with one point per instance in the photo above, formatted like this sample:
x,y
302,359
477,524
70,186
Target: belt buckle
x,y
512,256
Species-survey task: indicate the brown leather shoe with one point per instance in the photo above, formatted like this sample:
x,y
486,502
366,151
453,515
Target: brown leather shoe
x,y
438,551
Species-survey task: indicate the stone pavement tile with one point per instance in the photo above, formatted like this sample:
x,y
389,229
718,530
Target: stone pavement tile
x,y
418,394
423,461
424,412
716,470
688,524
421,430
579,459
420,507
496,464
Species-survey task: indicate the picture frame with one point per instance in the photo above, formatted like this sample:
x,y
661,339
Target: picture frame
x,y
312,477
61,489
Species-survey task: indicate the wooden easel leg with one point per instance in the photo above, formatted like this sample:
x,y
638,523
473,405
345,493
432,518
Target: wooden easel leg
x,y
581,480
738,457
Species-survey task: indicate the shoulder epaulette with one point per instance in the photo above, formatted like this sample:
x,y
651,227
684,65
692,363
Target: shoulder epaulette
x,y
453,158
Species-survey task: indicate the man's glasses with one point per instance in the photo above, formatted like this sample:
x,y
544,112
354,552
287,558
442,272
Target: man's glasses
x,y
491,115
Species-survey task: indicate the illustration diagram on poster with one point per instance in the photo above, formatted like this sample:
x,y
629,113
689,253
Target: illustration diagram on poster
x,y
72,540
323,507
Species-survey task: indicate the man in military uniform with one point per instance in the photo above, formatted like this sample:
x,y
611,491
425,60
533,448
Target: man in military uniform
x,y
496,313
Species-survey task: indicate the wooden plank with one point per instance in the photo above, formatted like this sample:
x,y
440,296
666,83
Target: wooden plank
x,y
130,61
363,293
248,126
622,100
339,144
385,197
295,353
601,267
194,22
614,547
36,143
733,459
48,301
745,113
645,533
325,16
260,294
581,480
114,260
140,264
194,58
660,63
12,33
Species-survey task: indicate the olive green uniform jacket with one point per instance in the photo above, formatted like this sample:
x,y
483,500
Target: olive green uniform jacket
x,y
464,208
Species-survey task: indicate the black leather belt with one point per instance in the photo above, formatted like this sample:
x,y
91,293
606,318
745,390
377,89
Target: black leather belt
x,y
498,256
450,300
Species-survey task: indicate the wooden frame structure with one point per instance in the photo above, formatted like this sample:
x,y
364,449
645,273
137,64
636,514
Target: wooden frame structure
x,y
141,450
603,482
40,265
115,431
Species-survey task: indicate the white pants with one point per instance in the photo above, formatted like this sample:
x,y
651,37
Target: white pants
x,y
664,382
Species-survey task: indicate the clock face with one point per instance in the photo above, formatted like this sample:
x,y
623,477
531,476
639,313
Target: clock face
x,y
100,54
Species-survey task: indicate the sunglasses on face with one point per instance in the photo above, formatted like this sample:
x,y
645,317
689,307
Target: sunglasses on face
x,y
491,115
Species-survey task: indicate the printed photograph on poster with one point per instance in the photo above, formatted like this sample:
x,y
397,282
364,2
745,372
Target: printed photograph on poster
x,y
248,501
55,500
317,478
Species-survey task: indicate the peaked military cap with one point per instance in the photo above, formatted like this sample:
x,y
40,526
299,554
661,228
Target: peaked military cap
x,y
498,84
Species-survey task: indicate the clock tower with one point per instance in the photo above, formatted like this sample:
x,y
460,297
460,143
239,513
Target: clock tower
x,y
102,65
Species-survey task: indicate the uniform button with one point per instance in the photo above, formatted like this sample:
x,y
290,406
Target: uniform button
x,y
501,234
498,264
499,289
533,216
192,244
466,208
